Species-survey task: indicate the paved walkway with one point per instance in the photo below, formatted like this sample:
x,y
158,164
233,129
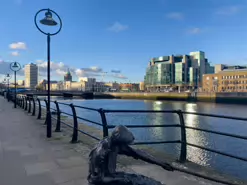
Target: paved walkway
x,y
28,158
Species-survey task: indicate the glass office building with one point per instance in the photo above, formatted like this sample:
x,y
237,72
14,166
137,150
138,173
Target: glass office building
x,y
176,71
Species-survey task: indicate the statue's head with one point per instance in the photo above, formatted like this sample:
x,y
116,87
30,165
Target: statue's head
x,y
122,135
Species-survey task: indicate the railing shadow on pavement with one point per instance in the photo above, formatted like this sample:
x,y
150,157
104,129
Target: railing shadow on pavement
x,y
26,103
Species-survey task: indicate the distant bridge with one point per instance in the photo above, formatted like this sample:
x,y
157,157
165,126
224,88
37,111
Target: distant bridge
x,y
59,93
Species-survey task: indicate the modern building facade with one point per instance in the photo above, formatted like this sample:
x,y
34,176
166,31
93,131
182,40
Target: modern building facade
x,y
31,76
177,71
226,79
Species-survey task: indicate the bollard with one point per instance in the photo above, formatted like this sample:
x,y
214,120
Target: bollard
x,y
104,122
183,152
75,127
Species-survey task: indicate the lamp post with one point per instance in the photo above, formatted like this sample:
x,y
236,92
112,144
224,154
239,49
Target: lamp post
x,y
8,77
48,21
15,66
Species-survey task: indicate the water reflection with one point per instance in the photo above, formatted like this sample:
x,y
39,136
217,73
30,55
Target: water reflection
x,y
157,131
196,155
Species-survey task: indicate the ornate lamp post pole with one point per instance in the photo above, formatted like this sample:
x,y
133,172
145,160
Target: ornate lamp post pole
x,y
15,66
8,77
48,21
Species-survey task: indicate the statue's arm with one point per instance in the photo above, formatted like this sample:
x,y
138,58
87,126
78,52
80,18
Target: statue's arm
x,y
140,154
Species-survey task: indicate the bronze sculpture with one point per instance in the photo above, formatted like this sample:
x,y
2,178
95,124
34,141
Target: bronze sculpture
x,y
103,159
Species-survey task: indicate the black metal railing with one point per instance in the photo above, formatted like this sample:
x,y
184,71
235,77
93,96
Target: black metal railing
x,y
25,103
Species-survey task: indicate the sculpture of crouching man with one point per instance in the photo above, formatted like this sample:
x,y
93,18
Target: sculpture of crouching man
x,y
103,159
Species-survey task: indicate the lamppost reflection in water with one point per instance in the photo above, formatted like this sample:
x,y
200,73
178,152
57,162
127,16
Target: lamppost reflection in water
x,y
196,155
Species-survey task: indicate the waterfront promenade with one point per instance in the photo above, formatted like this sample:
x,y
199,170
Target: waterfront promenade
x,y
28,157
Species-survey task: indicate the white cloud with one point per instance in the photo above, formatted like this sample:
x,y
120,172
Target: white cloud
x,y
5,68
60,72
115,71
60,69
15,53
18,45
118,27
229,10
119,76
175,16
194,31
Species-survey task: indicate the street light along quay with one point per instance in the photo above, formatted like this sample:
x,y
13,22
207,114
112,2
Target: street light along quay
x,y
15,66
8,77
48,21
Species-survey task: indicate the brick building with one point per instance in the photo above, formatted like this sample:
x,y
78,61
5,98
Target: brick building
x,y
226,79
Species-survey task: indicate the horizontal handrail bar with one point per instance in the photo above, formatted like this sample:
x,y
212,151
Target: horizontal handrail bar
x,y
66,113
216,116
216,151
140,111
42,105
96,138
145,126
88,108
218,133
84,119
174,111
53,109
89,135
63,103
155,142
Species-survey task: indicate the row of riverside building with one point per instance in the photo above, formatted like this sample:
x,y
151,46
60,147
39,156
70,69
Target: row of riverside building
x,y
193,72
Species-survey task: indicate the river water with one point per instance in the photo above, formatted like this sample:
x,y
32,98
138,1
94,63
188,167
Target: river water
x,y
223,143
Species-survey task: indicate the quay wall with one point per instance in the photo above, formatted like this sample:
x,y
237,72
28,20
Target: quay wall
x,y
237,98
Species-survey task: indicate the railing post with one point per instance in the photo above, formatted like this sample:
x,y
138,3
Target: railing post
x,y
18,101
58,126
22,101
29,106
183,152
75,128
34,107
46,104
25,103
39,114
104,122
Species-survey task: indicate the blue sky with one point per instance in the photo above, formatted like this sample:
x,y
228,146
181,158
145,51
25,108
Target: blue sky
x,y
122,35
